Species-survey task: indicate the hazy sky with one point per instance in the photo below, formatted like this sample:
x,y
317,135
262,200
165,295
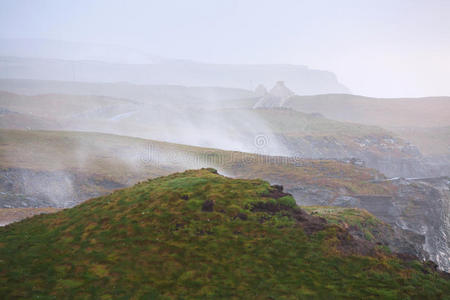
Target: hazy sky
x,y
377,48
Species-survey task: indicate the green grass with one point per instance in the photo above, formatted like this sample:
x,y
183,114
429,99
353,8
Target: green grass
x,y
156,240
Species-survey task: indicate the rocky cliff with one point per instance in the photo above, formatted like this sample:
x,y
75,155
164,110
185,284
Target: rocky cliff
x,y
419,206
275,98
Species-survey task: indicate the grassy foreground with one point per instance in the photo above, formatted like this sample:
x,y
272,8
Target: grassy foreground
x,y
200,235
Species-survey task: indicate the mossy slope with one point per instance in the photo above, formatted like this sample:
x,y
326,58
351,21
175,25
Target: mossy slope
x,y
199,235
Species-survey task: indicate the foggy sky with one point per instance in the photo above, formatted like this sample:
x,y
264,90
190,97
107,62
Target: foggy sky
x,y
376,48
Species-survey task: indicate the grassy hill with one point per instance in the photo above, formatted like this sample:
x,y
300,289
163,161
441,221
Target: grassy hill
x,y
198,234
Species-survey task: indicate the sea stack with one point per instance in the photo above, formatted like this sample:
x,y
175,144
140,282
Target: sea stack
x,y
275,98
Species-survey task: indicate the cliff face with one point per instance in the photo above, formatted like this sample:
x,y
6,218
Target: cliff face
x,y
275,98
424,207
419,208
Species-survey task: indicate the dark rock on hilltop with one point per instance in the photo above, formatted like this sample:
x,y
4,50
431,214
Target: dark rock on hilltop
x,y
208,205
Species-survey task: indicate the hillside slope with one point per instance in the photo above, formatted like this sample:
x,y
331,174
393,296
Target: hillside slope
x,y
383,112
201,235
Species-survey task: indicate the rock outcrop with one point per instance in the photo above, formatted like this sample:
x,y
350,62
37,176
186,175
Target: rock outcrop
x,y
275,98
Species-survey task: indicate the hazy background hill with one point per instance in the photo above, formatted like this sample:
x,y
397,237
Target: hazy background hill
x,y
385,112
301,79
169,94
56,60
